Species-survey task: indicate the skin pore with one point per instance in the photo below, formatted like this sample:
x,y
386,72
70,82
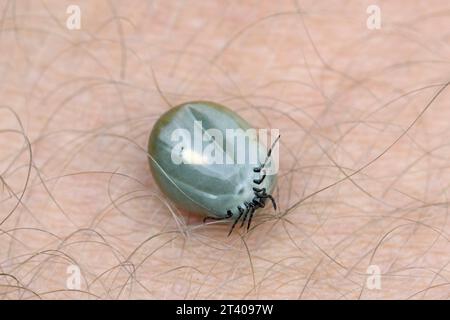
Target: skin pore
x,y
364,178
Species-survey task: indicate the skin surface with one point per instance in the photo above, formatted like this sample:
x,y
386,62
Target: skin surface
x,y
363,113
199,183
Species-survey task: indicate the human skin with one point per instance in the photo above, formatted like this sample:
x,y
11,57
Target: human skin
x,y
364,156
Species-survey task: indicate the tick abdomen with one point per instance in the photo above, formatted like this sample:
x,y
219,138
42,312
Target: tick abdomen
x,y
199,162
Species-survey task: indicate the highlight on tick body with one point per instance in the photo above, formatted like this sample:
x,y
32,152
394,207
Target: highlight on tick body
x,y
238,146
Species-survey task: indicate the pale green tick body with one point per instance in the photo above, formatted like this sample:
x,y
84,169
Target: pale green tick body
x,y
209,176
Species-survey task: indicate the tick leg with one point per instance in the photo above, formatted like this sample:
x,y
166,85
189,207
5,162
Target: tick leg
x,y
268,196
262,202
273,201
261,194
229,215
241,212
258,202
250,218
259,181
245,217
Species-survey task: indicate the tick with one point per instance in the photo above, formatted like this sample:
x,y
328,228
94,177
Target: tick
x,y
208,160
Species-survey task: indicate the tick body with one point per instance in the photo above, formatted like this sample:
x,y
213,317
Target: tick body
x,y
199,164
